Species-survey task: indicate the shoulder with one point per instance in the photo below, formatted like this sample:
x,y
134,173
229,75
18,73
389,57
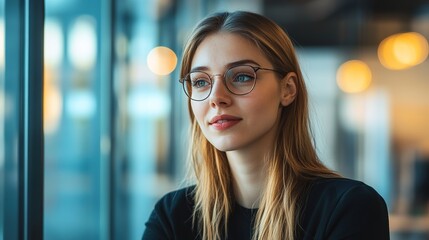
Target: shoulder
x,y
342,187
171,217
176,201
345,208
341,192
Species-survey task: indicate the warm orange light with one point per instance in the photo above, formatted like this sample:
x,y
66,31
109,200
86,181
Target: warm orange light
x,y
402,51
52,103
386,54
161,60
353,76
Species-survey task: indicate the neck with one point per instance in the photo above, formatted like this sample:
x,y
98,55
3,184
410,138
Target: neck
x,y
249,176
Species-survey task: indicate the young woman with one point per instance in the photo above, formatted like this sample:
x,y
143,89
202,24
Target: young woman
x,y
257,172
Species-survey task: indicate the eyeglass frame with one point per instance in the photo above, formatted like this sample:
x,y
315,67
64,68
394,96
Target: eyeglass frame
x,y
255,69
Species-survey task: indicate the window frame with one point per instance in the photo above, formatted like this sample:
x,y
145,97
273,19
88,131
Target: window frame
x,y
24,139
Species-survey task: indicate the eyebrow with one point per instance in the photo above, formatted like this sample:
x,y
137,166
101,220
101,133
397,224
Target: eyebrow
x,y
229,65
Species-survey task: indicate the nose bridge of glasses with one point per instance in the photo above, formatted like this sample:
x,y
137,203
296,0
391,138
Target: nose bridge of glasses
x,y
217,75
219,79
220,84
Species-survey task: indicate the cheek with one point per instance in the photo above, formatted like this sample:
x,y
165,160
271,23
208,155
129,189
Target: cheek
x,y
268,111
265,106
267,98
198,110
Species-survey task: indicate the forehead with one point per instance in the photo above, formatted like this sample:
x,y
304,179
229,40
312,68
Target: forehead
x,y
219,49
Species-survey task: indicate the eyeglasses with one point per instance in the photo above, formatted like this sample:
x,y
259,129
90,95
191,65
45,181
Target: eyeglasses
x,y
239,80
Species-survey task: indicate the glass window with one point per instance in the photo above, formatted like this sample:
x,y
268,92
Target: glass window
x,y
76,193
144,165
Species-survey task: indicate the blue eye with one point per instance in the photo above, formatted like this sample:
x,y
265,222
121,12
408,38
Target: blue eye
x,y
243,78
200,83
199,80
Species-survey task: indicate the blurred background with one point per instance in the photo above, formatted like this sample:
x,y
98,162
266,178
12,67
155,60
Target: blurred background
x,y
116,121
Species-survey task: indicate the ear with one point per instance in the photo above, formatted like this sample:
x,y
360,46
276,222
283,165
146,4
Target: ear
x,y
288,89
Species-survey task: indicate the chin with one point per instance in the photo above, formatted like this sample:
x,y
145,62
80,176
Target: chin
x,y
223,146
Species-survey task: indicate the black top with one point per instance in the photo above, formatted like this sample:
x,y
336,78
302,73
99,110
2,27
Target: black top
x,y
335,208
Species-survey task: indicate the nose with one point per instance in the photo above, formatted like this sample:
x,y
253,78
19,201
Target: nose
x,y
220,96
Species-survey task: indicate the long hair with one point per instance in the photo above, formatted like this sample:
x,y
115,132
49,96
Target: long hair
x,y
293,161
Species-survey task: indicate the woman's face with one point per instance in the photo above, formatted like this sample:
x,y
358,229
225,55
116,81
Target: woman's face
x,y
236,122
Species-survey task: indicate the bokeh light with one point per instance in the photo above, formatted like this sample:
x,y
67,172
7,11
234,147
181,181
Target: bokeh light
x,y
402,51
54,43
82,47
52,103
354,76
161,60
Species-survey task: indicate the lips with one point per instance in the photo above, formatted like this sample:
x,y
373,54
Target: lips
x,y
223,122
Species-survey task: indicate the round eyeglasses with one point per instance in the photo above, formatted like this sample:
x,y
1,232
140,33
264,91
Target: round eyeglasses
x,y
239,80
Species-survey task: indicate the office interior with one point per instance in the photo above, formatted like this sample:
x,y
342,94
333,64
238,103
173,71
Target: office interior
x,y
94,123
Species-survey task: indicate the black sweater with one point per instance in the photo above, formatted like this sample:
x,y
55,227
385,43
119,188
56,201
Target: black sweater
x,y
335,208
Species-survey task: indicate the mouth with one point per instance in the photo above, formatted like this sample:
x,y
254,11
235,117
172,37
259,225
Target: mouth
x,y
223,122
223,119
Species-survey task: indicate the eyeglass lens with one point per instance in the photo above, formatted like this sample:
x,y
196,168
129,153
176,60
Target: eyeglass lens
x,y
239,80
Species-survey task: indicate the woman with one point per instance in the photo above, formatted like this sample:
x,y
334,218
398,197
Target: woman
x,y
257,173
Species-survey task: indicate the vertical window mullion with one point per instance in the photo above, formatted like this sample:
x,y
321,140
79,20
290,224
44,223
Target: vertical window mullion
x,y
34,142
24,161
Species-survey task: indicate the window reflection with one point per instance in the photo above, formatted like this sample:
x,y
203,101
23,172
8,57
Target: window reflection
x,y
73,198
145,97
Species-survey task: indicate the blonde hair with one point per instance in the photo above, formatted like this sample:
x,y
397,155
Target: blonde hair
x,y
293,162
